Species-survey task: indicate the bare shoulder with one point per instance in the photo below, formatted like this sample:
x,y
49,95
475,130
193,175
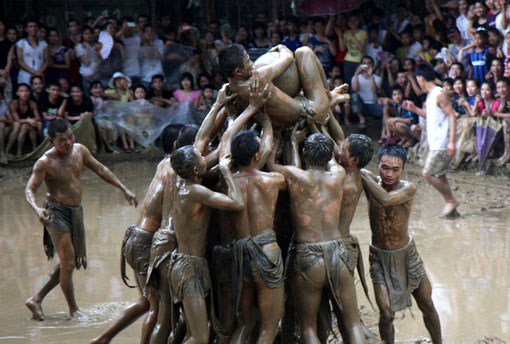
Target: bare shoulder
x,y
272,176
408,186
42,163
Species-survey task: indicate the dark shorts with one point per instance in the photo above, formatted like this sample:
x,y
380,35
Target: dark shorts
x,y
189,276
137,248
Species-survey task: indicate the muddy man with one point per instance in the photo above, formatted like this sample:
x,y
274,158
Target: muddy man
x,y
396,268
317,259
60,169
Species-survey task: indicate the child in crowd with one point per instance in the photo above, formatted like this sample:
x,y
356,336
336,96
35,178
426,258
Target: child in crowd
x,y
480,57
53,106
8,128
333,73
472,86
119,88
397,120
64,87
206,99
97,94
140,92
460,102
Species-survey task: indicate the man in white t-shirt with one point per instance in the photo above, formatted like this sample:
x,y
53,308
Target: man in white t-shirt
x,y
462,22
440,124
151,54
366,84
32,54
132,48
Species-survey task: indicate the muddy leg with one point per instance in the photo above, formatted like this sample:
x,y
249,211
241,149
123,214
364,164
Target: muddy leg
x,y
289,316
441,184
35,301
32,133
350,314
195,312
423,297
152,316
247,318
163,326
21,138
386,328
506,136
12,137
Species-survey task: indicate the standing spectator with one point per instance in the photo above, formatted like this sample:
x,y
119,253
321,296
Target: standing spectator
x,y
456,45
214,29
494,42
260,39
481,17
157,94
141,21
152,51
243,37
480,58
292,40
60,58
323,47
6,59
355,40
225,37
32,54
54,106
24,111
462,22
132,49
373,47
8,129
366,84
493,11
114,61
70,42
88,57
77,105
187,91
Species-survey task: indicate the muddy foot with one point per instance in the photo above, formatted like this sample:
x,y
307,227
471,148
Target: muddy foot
x,y
450,208
98,340
78,315
35,308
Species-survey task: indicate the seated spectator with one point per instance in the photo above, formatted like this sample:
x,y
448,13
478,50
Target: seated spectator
x,y
119,90
448,88
398,121
140,92
218,80
456,70
157,94
260,39
225,37
59,62
487,101
292,41
77,105
39,94
440,67
203,79
24,111
186,93
472,90
32,54
206,99
88,56
276,38
495,72
333,73
96,93
504,93
366,84
53,105
243,37
9,129
322,46
460,102
152,51
65,88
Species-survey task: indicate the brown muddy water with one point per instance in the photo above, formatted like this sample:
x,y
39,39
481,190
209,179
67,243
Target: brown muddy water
x,y
467,260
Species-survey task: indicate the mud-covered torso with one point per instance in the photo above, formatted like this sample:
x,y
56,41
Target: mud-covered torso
x,y
352,189
63,177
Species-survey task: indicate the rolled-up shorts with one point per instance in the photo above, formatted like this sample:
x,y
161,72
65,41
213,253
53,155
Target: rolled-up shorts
x,y
437,163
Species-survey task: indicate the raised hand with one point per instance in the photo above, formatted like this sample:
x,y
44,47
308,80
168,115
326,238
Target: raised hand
x,y
258,95
223,96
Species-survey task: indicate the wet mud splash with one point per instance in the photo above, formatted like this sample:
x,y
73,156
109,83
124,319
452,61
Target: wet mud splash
x,y
467,260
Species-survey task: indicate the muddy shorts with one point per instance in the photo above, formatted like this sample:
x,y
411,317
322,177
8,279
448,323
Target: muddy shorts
x,y
400,270
189,277
136,248
66,219
164,243
307,110
437,163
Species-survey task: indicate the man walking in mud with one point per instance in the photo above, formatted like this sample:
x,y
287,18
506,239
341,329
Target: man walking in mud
x,y
396,268
440,121
60,168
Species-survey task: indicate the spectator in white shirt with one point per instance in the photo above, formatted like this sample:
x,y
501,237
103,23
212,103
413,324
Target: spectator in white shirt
x,y
88,56
152,51
32,54
462,22
132,49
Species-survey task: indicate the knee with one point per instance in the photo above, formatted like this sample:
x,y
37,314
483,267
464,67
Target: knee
x,y
386,317
67,265
201,338
426,176
302,51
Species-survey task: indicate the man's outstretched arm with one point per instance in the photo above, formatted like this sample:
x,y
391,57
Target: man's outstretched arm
x,y
384,197
107,175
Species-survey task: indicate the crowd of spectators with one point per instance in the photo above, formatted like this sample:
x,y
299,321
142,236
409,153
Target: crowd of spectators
x,y
47,74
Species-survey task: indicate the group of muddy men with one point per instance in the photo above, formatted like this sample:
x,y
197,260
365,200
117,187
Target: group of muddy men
x,y
244,233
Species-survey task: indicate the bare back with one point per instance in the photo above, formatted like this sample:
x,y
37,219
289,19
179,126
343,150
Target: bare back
x,y
316,199
352,189
152,207
62,176
260,192
389,224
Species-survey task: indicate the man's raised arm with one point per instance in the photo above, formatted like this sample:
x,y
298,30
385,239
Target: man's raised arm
x,y
206,129
107,175
384,197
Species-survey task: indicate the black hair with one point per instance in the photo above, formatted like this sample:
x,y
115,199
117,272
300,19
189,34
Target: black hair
x,y
317,150
31,20
419,27
243,147
368,57
36,77
86,27
76,84
51,29
448,81
494,31
142,16
183,161
71,20
461,79
394,151
128,19
208,86
149,25
458,64
157,76
505,80
23,84
413,61
397,88
169,136
499,59
59,125
187,136
426,71
230,58
483,34
95,83
360,146
189,76
140,86
53,83
293,20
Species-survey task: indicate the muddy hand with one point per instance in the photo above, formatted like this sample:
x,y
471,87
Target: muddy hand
x,y
44,215
226,162
223,98
259,95
131,198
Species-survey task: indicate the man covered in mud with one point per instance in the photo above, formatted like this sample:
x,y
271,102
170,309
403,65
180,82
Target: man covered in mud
x,y
396,268
317,259
257,260
60,169
136,248
284,110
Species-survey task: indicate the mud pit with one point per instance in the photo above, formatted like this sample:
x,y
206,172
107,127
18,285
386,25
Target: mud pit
x,y
466,260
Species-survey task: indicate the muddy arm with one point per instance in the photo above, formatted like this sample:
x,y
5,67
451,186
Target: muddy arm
x,y
276,69
387,199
